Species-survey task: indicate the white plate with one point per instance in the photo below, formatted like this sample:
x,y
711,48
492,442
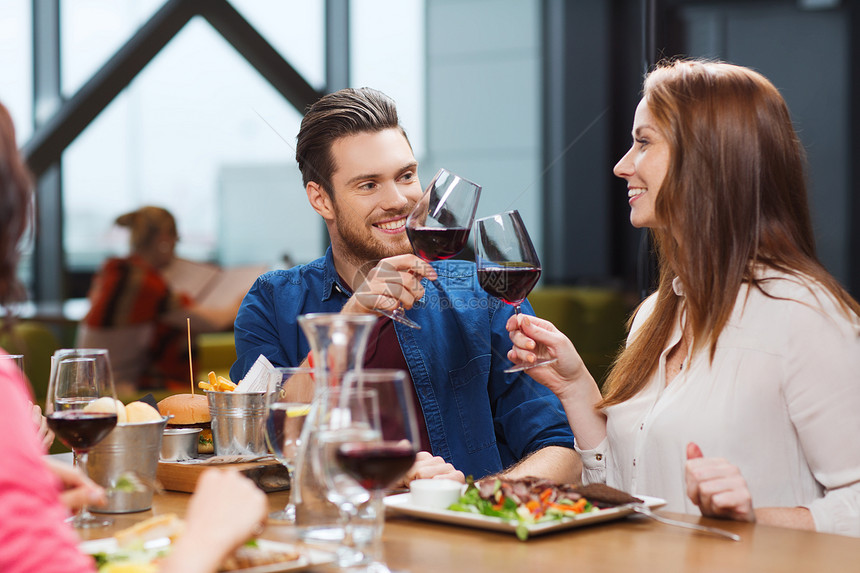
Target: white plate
x,y
309,557
402,503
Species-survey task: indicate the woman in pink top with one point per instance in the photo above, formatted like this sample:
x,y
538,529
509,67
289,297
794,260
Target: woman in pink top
x,y
35,494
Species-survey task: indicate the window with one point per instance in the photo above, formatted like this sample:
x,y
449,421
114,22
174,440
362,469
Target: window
x,y
92,30
16,61
387,53
177,137
295,29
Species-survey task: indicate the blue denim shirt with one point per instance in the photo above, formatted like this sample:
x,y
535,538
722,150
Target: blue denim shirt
x,y
479,419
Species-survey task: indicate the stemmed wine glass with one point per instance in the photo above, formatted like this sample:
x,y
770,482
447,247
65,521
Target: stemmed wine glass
x,y
16,360
100,355
289,405
439,224
507,264
349,416
377,460
77,384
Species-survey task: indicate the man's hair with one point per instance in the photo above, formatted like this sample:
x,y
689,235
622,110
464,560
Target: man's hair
x,y
340,114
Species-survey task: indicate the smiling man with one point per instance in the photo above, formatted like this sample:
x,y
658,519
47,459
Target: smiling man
x,y
361,177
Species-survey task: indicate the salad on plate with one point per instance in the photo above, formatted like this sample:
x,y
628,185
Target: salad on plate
x,y
530,501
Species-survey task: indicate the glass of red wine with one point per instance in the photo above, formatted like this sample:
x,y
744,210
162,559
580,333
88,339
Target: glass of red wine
x,y
439,224
77,420
378,460
348,416
289,406
507,264
100,355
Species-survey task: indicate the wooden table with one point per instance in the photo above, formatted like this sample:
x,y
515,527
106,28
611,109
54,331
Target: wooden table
x,y
632,545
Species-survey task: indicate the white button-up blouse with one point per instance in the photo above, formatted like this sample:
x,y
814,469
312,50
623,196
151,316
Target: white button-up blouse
x,y
781,400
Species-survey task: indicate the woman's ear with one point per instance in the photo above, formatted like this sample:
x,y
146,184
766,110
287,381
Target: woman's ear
x,y
320,200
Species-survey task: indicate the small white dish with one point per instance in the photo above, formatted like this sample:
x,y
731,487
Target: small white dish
x,y
435,493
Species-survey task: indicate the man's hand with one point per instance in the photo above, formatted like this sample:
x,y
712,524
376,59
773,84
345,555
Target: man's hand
x,y
78,489
717,487
429,466
46,436
393,282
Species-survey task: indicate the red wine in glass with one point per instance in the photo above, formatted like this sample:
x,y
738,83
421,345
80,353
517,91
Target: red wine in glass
x,y
507,264
439,224
437,243
375,465
380,458
77,382
511,284
80,430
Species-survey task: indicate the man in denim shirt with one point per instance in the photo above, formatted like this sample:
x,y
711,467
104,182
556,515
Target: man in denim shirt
x,y
361,176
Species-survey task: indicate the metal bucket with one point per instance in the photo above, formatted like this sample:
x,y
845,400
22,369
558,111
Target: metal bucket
x,y
179,444
130,449
239,422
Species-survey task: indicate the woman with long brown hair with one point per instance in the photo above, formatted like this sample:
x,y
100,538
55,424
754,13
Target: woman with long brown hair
x,y
749,350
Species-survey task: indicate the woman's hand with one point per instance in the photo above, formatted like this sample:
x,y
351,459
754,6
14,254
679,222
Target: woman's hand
x,y
535,338
717,487
225,510
78,490
46,436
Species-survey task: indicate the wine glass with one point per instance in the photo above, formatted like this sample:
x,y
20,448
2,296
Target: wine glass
x,y
349,416
439,224
508,266
380,459
77,385
289,405
100,355
15,360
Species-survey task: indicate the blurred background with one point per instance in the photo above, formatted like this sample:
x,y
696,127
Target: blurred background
x,y
194,105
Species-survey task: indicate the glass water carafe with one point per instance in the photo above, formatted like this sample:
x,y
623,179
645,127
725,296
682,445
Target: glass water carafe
x,y
338,342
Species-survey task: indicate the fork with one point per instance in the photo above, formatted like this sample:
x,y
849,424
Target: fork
x,y
644,510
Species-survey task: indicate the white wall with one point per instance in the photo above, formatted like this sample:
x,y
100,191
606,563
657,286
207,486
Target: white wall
x,y
484,101
264,215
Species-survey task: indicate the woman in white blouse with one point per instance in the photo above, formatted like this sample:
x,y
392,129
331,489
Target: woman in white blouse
x,y
738,392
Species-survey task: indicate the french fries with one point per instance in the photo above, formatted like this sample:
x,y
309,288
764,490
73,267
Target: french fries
x,y
217,384
225,385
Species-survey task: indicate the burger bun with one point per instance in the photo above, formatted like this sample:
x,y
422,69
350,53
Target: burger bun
x,y
190,410
186,409
137,412
108,405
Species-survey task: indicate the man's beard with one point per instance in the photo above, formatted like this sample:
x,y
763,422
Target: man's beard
x,y
360,247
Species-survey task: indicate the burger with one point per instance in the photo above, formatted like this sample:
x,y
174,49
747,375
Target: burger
x,y
190,411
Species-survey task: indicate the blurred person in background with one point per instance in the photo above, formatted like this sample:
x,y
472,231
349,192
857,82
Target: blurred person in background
x,y
138,317
737,394
37,493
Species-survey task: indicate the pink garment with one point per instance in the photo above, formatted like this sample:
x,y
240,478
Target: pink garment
x,y
33,537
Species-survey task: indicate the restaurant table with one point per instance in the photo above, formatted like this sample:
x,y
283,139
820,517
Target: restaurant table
x,y
629,545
